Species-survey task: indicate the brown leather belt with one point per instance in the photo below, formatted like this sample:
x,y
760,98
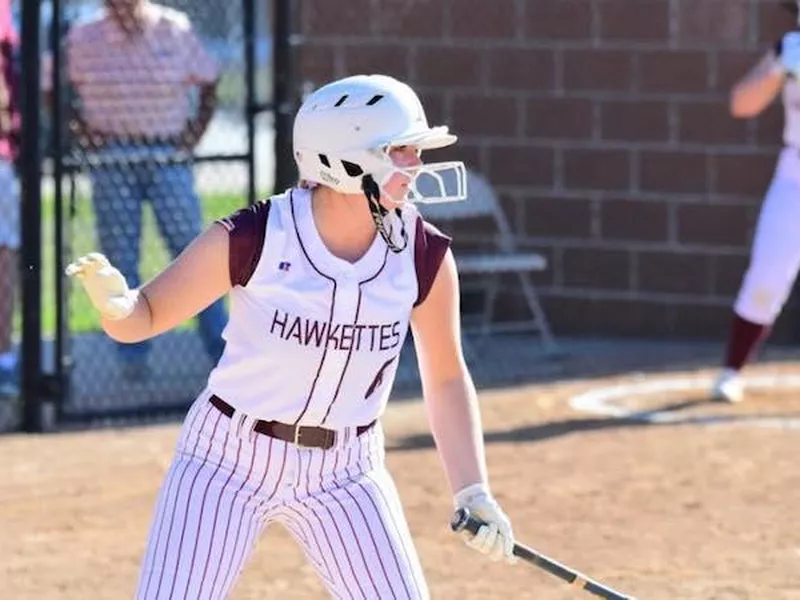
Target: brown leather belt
x,y
299,435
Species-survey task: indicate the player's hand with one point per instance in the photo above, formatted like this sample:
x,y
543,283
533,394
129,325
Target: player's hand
x,y
105,285
790,53
495,539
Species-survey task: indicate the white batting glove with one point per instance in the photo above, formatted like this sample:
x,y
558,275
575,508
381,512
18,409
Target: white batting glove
x,y
495,539
105,285
790,53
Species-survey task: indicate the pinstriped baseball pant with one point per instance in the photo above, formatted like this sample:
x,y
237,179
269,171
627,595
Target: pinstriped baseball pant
x,y
224,488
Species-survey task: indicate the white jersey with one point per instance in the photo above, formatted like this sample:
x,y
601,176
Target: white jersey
x,y
791,113
311,338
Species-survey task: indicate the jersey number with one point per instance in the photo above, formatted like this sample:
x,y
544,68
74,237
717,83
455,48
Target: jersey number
x,y
378,380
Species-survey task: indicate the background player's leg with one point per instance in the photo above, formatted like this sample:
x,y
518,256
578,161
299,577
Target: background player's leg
x,y
355,531
208,515
774,262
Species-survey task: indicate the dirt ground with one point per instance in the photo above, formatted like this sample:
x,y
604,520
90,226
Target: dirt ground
x,y
697,510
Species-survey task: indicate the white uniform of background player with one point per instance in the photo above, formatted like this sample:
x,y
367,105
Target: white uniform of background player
x,y
775,254
287,430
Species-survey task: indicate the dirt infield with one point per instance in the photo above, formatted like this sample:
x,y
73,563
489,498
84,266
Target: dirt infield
x,y
705,509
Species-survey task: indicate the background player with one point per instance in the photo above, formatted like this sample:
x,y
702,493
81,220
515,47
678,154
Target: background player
x,y
775,254
287,429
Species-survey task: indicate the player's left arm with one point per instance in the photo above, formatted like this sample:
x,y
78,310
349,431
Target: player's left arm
x,y
452,405
450,395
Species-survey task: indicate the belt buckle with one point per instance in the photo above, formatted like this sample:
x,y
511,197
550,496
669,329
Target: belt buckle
x,y
296,438
330,439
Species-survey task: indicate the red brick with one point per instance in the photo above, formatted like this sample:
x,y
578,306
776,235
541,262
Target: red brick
x,y
587,316
609,70
631,318
674,172
435,107
743,174
673,71
402,18
469,154
597,169
728,273
710,123
699,321
559,19
634,19
518,69
442,67
480,19
634,220
769,125
557,217
483,115
635,121
671,273
376,57
322,17
714,224
596,268
521,165
707,21
569,118
316,63
773,21
732,65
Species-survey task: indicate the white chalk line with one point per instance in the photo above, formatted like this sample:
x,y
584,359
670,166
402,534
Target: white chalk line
x,y
605,400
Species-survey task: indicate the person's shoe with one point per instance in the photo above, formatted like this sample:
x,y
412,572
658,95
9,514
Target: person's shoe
x,y
135,369
728,387
9,383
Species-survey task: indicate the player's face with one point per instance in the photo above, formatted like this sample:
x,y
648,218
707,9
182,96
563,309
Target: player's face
x,y
396,189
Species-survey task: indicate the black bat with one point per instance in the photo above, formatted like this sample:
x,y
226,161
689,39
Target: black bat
x,y
463,520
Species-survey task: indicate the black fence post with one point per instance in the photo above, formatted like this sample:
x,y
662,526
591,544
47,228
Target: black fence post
x,y
31,186
284,92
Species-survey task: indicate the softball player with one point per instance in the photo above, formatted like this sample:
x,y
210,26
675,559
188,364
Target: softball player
x,y
775,254
288,428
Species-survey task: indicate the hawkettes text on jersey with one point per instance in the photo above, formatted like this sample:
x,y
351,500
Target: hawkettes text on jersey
x,y
375,337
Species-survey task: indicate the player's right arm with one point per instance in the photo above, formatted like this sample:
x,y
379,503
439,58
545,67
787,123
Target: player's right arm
x,y
195,279
759,87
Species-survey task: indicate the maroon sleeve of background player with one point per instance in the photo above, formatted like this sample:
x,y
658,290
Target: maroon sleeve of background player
x,y
247,229
430,246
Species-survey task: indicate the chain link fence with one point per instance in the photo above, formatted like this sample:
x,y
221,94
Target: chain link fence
x,y
149,141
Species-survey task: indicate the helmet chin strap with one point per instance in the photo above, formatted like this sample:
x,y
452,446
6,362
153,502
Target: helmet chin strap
x,y
373,193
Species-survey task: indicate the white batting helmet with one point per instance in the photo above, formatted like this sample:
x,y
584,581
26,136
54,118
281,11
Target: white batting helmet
x,y
343,131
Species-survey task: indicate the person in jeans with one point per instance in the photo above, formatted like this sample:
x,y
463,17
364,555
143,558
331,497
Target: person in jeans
x,y
9,201
132,69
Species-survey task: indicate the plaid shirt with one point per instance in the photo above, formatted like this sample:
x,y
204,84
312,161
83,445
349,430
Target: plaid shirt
x,y
9,106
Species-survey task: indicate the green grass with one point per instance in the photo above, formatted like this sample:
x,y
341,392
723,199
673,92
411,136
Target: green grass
x,y
81,231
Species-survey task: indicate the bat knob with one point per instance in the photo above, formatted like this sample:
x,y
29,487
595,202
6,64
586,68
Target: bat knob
x,y
460,519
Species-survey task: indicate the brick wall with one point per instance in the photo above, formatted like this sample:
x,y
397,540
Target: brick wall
x,y
603,125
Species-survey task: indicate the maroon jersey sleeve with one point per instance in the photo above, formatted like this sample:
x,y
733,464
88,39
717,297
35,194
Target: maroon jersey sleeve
x,y
430,246
247,229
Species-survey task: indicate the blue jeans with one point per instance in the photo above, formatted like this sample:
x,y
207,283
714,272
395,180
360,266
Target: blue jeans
x,y
119,191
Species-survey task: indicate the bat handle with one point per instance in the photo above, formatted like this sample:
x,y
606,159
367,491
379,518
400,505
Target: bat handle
x,y
462,520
